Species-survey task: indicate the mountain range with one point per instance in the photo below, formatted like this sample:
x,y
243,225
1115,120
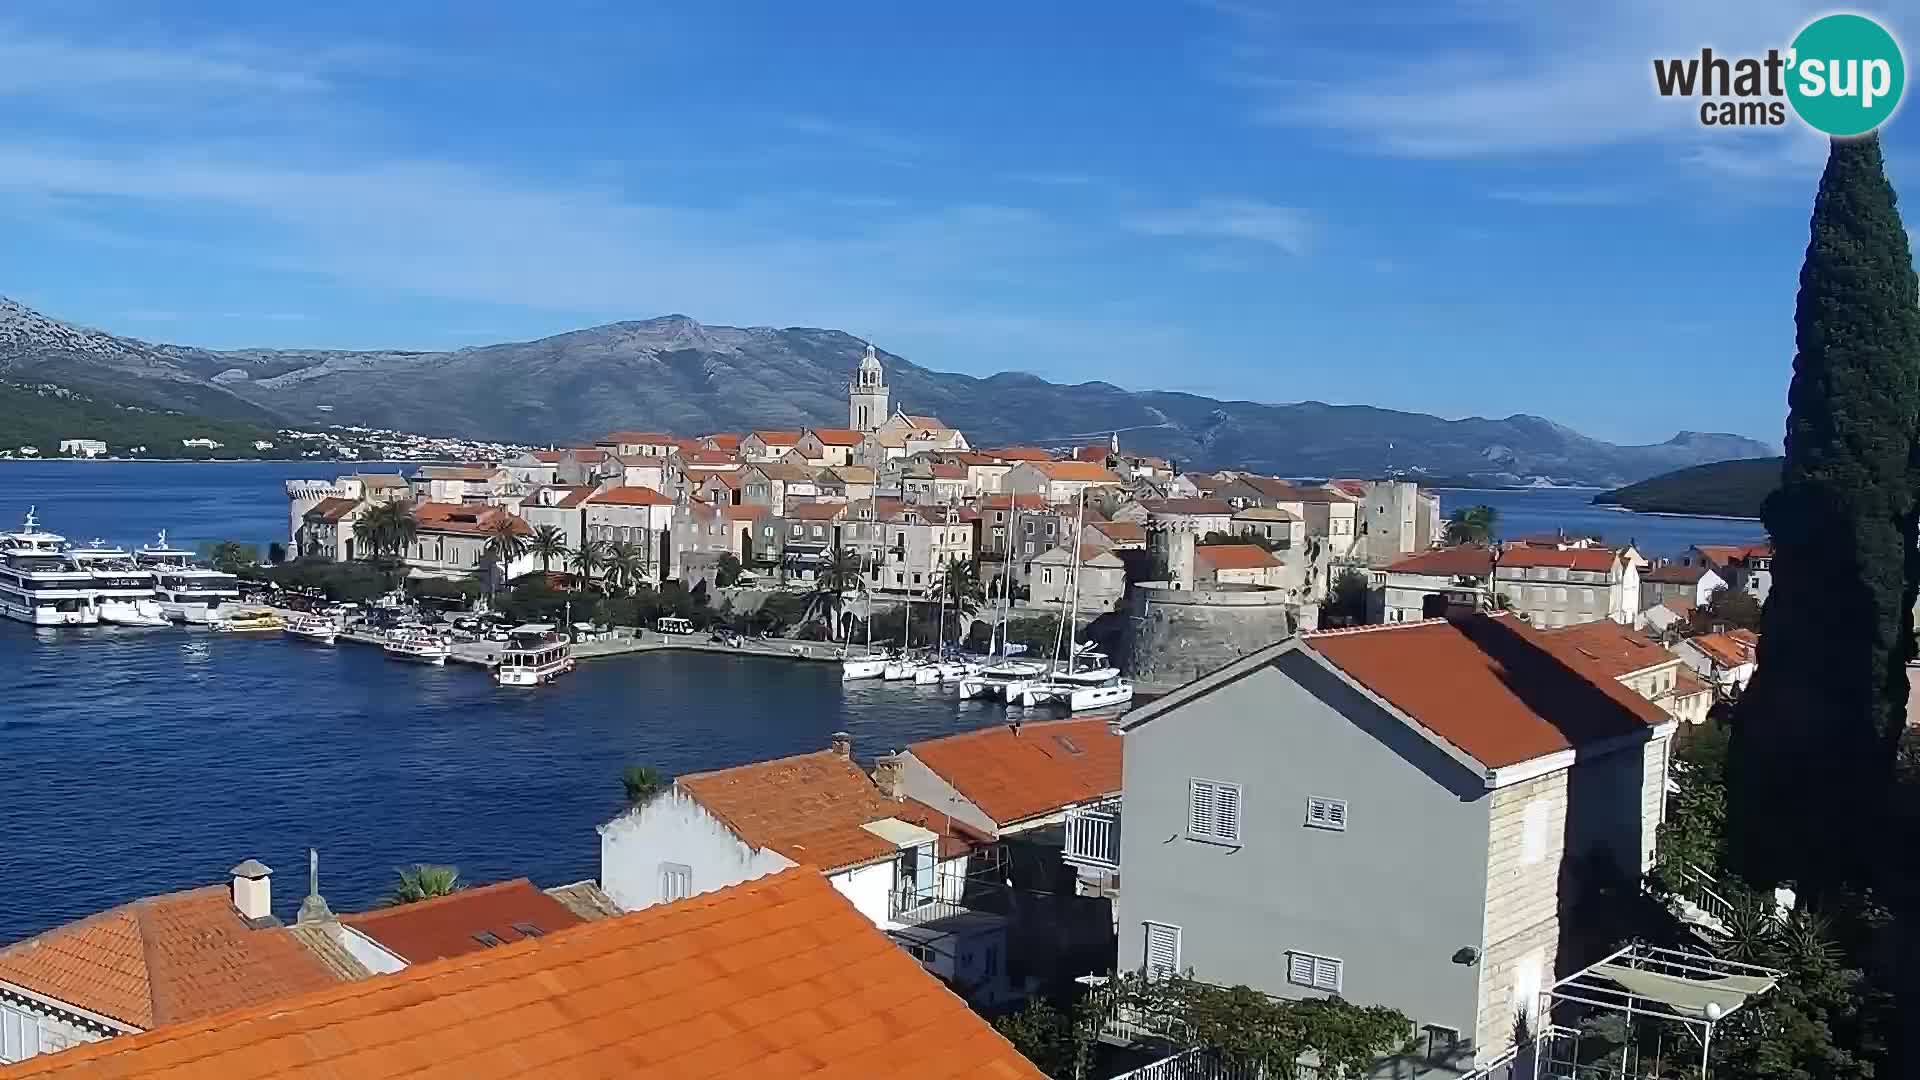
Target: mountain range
x,y
675,374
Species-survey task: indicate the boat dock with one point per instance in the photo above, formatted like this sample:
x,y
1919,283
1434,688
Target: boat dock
x,y
481,654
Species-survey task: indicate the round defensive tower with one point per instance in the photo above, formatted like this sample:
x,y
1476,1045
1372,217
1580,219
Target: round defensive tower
x,y
1175,634
302,496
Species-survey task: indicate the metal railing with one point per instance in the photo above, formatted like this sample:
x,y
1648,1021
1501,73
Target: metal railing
x,y
1093,838
1700,889
1198,1063
914,906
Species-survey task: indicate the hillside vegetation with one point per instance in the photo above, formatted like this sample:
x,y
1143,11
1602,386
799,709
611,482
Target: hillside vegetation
x,y
1726,488
42,415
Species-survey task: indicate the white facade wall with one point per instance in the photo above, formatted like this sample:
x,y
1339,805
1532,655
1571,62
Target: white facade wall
x,y
673,829
867,887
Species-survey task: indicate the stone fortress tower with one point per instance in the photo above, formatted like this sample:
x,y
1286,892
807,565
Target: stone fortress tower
x,y
304,495
867,395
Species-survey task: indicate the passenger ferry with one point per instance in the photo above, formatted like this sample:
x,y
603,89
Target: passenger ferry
x,y
123,591
417,644
40,583
187,593
535,654
310,627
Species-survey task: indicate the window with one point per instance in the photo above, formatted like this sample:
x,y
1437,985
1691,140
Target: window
x,y
676,881
487,938
922,953
1438,1043
819,531
1046,575
993,960
1029,528
1315,972
916,579
1029,547
1163,950
1327,813
1213,811
19,1034
1533,831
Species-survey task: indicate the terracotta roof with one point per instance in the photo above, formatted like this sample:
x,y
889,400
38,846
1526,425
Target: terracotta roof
x,y
947,472
776,438
1687,684
810,808
1090,555
725,440
925,423
1283,491
448,925
786,472
547,457
1235,556
1019,453
1122,531
462,518
1445,562
853,474
331,509
710,459
1487,685
165,959
972,458
1025,503
745,511
380,480
1606,647
1730,649
838,436
728,480
1679,605
773,978
813,511
585,899
1049,765
1675,574
1096,452
1722,554
1355,488
640,461
1594,560
636,438
1074,470
1189,507
586,456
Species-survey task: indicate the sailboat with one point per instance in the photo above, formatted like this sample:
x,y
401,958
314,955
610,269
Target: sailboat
x,y
904,665
1001,673
1078,688
870,665
943,668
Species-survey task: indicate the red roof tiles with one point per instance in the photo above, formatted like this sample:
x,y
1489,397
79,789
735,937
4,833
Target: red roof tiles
x,y
1043,768
777,438
1730,649
830,436
462,518
774,978
1446,562
164,959
1020,453
1591,560
450,925
1235,556
331,509
1487,685
1606,647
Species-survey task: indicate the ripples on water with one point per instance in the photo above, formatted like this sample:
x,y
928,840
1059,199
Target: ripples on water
x,y
144,760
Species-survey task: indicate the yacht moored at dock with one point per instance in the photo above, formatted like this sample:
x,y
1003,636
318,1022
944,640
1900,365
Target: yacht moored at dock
x,y
418,645
40,582
863,667
309,627
186,592
535,654
123,590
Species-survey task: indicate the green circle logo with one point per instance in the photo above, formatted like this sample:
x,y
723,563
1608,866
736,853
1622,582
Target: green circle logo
x,y
1847,74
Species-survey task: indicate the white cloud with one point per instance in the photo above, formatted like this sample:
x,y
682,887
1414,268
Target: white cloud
x,y
1287,228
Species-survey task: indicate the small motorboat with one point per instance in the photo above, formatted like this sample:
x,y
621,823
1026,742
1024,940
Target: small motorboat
x,y
418,645
309,627
249,621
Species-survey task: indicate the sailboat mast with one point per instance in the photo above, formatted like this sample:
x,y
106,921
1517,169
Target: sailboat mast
x,y
1073,584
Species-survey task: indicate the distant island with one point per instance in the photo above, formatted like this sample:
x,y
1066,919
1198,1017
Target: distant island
x,y
1721,489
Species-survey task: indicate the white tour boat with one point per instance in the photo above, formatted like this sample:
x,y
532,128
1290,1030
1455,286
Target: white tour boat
x,y
309,627
249,621
535,654
40,583
417,644
122,589
1002,680
186,592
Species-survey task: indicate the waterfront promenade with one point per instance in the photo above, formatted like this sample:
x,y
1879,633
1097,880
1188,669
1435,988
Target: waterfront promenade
x,y
628,641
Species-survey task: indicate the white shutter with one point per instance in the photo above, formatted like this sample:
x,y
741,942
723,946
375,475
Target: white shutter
x,y
1326,974
1336,814
1202,798
1300,969
1163,950
1228,819
1316,972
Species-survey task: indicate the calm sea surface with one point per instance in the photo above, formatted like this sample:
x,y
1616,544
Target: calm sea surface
x,y
135,761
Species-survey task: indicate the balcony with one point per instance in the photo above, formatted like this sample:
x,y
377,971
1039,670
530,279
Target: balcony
x,y
1093,837
915,906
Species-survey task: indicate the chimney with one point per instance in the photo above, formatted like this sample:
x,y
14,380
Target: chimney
x,y
890,776
842,745
253,891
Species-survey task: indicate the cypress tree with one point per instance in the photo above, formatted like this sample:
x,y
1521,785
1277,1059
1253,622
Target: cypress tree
x,y
1816,731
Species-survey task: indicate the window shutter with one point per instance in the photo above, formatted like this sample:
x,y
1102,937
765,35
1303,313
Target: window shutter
x,y
1300,969
1202,798
1336,814
1229,813
1163,950
1326,974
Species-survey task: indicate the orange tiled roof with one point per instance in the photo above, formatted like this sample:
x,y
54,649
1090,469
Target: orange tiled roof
x,y
813,511
446,925
1121,531
1486,685
1019,453
1729,649
1235,556
725,440
773,978
1605,646
1596,560
716,459
809,808
777,438
164,959
1687,684
1675,574
331,509
837,436
1075,470
548,457
587,456
462,518
1722,554
1046,766
570,495
724,479
1445,562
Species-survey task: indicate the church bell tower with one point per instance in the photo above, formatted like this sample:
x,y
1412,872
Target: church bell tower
x,y
867,395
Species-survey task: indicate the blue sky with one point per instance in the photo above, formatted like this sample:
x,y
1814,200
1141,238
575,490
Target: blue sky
x,y
1462,208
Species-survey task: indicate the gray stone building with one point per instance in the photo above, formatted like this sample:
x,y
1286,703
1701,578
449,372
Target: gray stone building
x,y
1388,814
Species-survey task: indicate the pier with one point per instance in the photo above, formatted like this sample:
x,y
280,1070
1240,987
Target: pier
x,y
481,654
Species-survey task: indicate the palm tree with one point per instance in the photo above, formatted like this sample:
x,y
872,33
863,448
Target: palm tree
x,y
506,541
961,582
547,544
386,528
642,782
627,565
1472,525
839,575
423,881
590,559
